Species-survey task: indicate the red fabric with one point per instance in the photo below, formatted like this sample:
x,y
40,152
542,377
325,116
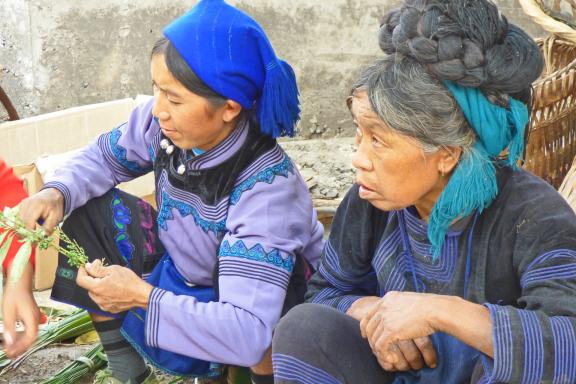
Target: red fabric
x,y
11,193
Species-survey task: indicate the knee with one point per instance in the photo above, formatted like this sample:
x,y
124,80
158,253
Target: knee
x,y
305,324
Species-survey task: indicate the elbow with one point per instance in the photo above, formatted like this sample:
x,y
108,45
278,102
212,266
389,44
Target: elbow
x,y
254,357
252,351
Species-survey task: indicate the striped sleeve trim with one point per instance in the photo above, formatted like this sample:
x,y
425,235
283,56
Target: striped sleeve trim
x,y
153,317
564,337
503,343
334,298
334,280
533,347
230,266
538,271
65,192
291,369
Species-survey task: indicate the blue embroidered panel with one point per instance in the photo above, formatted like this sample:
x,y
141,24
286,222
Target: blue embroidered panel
x,y
256,253
184,209
120,153
121,217
267,175
152,153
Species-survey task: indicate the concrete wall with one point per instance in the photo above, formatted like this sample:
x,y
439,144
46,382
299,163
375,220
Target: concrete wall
x,y
55,54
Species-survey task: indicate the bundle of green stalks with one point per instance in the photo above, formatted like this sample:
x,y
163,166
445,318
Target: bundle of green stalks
x,y
74,324
72,373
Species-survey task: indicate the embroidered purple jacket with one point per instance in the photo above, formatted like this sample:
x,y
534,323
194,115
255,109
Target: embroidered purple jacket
x,y
256,231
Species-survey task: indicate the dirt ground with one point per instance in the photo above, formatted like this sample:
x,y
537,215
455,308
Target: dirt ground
x,y
326,167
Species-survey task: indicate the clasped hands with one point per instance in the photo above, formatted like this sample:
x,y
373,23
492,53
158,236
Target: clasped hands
x,y
113,288
397,327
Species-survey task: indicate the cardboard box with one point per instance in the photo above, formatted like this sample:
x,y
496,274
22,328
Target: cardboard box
x,y
46,260
45,142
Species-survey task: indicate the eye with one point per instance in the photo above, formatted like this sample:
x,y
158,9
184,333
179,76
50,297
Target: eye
x,y
174,102
377,142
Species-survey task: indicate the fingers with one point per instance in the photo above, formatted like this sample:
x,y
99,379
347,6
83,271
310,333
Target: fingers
x,y
426,348
96,269
371,325
9,332
15,344
30,213
392,359
46,205
50,223
84,280
30,319
412,354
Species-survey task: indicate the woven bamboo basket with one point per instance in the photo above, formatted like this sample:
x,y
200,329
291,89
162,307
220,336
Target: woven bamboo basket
x,y
556,16
551,145
568,187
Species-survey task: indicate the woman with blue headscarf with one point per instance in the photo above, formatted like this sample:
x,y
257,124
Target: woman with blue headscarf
x,y
228,251
446,263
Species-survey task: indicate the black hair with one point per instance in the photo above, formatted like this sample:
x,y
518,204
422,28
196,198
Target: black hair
x,y
466,41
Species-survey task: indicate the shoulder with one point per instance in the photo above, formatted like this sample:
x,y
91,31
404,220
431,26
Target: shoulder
x,y
533,215
525,196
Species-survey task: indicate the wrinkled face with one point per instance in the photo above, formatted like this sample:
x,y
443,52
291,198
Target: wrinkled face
x,y
187,119
392,170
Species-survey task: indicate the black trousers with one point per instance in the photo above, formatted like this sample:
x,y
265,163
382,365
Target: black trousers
x,y
118,228
317,344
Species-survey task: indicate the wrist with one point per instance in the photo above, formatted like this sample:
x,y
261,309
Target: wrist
x,y
362,306
144,295
25,280
445,312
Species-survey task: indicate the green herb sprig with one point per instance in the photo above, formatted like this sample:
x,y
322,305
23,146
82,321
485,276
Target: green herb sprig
x,y
14,229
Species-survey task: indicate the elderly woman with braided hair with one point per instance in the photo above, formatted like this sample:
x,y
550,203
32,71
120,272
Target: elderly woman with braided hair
x,y
446,263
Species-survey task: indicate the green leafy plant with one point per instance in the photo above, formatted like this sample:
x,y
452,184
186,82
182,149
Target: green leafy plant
x,y
14,230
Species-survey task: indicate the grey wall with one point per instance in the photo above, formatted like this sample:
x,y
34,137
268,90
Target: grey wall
x,y
55,54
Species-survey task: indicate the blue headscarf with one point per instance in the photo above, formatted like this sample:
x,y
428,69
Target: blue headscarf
x,y
473,185
230,52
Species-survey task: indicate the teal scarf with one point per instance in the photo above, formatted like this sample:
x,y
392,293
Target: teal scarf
x,y
473,184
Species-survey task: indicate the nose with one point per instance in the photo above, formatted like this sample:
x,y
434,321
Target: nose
x,y
159,110
360,159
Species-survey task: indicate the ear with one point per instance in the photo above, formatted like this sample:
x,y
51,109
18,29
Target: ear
x,y
449,157
231,110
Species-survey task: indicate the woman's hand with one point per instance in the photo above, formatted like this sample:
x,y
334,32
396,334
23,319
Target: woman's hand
x,y
46,206
397,329
114,288
362,307
19,305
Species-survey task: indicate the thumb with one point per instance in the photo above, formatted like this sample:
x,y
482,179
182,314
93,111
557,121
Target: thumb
x,y
84,280
96,269
9,337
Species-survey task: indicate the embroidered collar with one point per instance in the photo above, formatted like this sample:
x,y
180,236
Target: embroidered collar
x,y
418,228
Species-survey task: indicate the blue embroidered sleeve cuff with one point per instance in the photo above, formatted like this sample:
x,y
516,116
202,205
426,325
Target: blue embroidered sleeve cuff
x,y
500,369
65,192
153,317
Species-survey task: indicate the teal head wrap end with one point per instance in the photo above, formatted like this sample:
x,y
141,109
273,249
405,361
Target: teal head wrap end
x,y
472,185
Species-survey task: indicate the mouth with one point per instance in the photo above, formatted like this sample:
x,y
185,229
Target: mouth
x,y
168,132
365,191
